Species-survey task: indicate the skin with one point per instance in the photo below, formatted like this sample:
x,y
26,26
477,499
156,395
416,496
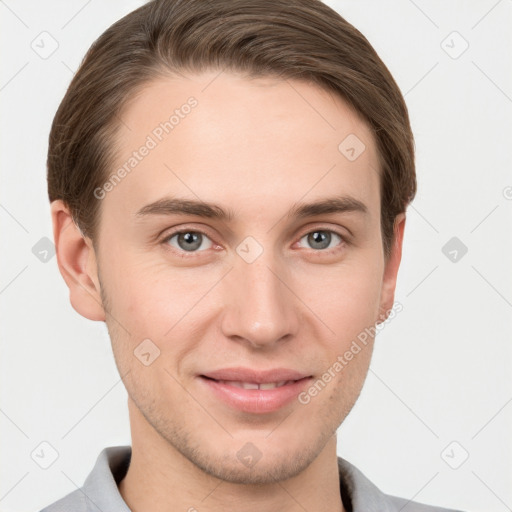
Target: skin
x,y
255,147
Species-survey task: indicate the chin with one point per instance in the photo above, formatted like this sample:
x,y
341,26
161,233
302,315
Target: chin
x,y
266,470
252,460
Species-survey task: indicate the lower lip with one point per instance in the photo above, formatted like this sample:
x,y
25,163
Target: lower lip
x,y
256,400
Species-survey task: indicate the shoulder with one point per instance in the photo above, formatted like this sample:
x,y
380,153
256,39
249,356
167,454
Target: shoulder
x,y
413,506
73,502
364,496
99,491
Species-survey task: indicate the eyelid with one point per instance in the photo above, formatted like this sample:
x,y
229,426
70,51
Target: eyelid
x,y
331,229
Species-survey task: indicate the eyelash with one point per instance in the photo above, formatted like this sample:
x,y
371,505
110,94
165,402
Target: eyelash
x,y
188,254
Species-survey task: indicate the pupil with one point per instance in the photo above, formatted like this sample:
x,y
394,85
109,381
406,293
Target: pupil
x,y
192,240
321,238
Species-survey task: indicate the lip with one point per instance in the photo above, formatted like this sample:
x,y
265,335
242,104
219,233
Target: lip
x,y
256,401
260,377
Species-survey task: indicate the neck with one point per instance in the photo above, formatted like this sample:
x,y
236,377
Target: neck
x,y
160,479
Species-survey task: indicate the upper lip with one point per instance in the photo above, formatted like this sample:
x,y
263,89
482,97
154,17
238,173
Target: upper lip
x,y
259,377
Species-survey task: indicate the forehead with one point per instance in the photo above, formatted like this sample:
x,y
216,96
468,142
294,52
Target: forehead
x,y
219,136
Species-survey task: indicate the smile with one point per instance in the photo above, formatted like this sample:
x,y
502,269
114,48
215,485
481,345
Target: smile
x,y
254,397
255,385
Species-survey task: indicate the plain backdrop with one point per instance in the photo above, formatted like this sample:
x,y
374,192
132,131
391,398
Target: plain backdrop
x,y
434,419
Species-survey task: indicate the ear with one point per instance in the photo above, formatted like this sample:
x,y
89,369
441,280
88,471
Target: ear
x,y
76,259
387,296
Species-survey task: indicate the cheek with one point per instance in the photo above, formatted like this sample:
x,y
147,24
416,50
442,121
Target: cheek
x,y
346,299
138,293
154,301
349,305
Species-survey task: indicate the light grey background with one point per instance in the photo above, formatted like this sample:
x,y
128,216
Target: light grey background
x,y
439,386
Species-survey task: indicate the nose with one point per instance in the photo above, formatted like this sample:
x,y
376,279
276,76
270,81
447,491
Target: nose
x,y
259,308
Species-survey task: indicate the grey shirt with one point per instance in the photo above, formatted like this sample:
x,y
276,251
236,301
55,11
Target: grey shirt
x,y
100,493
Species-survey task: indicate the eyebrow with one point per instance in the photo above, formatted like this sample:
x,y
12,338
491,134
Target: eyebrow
x,y
173,206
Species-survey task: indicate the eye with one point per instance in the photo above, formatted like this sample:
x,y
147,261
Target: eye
x,y
322,238
188,241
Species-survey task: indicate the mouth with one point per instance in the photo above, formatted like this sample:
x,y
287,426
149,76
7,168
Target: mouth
x,y
252,385
255,392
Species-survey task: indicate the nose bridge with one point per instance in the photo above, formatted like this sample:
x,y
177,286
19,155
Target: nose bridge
x,y
258,307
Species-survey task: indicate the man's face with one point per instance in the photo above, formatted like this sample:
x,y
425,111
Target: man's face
x,y
264,289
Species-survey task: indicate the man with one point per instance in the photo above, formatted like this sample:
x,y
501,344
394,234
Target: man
x,y
228,184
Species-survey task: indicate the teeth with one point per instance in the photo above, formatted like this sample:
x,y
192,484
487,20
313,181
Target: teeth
x,y
269,385
254,385
248,385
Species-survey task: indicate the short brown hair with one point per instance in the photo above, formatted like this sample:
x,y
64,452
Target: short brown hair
x,y
289,39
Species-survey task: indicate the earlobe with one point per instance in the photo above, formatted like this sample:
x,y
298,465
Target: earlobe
x,y
76,259
391,269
